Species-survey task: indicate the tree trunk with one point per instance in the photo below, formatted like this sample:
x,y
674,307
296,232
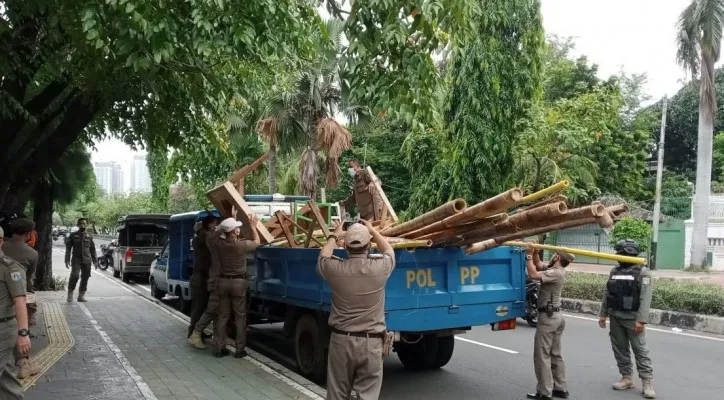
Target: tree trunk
x,y
700,237
272,168
43,215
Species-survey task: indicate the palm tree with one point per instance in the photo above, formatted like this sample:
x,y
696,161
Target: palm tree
x,y
699,43
303,118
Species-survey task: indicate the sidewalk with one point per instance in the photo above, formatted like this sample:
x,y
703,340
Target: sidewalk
x,y
122,346
714,277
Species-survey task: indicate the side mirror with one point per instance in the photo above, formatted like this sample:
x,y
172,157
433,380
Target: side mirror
x,y
156,255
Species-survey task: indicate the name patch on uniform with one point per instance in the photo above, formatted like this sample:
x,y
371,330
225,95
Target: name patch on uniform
x,y
623,277
646,280
16,276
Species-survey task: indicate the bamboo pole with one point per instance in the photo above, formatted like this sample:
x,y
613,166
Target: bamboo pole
x,y
408,244
429,218
553,199
487,208
562,185
494,220
607,256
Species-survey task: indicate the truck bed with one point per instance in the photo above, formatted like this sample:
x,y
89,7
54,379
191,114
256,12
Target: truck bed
x,y
430,289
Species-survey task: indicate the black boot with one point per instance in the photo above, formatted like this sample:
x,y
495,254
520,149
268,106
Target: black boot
x,y
222,353
561,394
538,396
241,353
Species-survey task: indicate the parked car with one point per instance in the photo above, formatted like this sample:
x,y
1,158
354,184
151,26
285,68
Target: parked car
x,y
158,281
140,238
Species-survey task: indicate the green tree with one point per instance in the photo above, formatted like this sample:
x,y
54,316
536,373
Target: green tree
x,y
563,76
182,198
305,115
699,43
141,70
634,229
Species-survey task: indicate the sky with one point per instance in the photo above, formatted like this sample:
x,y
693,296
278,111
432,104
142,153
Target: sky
x,y
636,35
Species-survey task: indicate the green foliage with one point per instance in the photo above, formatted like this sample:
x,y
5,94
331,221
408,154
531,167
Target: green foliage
x,y
563,76
72,175
182,198
676,192
104,212
634,229
57,220
157,161
717,168
668,294
70,217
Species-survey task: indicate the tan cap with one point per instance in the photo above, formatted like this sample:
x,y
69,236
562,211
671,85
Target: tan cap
x,y
357,236
229,225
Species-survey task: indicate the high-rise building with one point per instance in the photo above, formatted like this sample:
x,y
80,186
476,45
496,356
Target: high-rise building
x,y
140,178
109,176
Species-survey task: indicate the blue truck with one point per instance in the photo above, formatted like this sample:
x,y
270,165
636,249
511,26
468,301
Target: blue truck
x,y
432,295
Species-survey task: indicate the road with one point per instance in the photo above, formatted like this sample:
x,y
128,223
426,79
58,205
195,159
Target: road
x,y
498,365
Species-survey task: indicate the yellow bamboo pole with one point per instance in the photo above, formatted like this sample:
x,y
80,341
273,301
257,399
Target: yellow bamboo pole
x,y
562,185
408,244
607,256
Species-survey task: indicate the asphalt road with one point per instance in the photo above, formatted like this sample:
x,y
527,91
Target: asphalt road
x,y
499,365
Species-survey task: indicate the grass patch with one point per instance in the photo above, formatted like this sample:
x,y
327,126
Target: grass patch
x,y
672,295
59,283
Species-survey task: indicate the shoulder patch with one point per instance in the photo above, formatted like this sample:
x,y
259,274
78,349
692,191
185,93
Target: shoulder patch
x,y
16,276
376,255
6,260
646,280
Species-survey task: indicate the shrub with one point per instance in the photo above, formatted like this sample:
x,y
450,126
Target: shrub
x,y
634,229
672,295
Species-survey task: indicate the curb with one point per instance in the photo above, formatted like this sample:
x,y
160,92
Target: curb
x,y
674,319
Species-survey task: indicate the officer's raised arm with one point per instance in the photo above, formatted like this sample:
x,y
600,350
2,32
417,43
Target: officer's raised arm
x,y
326,253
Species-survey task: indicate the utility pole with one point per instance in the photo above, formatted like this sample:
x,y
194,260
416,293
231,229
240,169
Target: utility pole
x,y
659,174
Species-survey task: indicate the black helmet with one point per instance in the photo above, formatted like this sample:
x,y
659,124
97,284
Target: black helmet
x,y
627,247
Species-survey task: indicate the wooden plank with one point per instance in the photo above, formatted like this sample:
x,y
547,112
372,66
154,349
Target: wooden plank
x,y
318,216
304,230
244,171
225,197
287,233
310,234
383,218
385,200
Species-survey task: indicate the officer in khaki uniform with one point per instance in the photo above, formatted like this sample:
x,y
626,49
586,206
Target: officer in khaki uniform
x,y
364,194
212,306
16,247
231,283
13,323
357,319
550,370
200,275
83,251
626,302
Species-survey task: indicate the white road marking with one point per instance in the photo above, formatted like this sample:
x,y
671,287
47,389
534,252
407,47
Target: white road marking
x,y
716,339
490,346
137,379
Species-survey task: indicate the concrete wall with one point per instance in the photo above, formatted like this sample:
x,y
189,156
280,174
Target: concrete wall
x,y
716,242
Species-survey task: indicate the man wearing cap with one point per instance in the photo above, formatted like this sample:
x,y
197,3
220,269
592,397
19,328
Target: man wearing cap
x,y
200,274
212,306
80,245
231,283
16,247
357,319
13,323
364,194
550,370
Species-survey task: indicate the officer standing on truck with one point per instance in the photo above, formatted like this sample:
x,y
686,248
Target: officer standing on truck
x,y
13,323
16,247
357,319
364,194
83,251
200,274
550,370
626,302
231,282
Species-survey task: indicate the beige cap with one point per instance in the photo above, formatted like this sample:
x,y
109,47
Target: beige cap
x,y
357,236
229,225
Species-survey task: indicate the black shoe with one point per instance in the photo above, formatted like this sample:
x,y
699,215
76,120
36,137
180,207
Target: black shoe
x,y
222,353
205,335
241,354
561,394
538,396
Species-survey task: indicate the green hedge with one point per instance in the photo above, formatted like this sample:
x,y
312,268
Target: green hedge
x,y
669,294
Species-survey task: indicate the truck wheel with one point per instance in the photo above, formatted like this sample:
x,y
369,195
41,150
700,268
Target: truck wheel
x,y
445,348
157,294
420,355
126,277
310,348
116,273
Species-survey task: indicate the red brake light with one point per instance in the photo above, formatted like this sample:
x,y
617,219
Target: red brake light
x,y
504,325
129,255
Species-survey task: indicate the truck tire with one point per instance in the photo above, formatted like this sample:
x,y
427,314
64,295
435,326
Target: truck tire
x,y
116,273
155,292
310,343
445,349
420,355
126,277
